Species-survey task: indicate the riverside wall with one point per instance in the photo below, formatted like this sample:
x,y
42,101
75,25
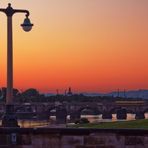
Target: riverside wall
x,y
72,138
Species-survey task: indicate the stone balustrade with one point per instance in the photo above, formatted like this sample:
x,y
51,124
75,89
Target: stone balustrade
x,y
73,138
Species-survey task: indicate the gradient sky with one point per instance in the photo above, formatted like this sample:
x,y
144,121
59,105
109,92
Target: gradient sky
x,y
90,45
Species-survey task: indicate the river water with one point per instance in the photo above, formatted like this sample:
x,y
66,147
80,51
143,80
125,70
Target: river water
x,y
91,118
98,118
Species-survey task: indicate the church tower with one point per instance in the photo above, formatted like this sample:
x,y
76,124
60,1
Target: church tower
x,y
69,93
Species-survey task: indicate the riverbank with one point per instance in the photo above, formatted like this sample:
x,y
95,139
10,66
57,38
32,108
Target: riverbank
x,y
136,124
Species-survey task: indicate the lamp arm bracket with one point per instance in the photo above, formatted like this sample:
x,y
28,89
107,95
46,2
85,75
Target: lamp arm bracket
x,y
22,11
3,10
13,11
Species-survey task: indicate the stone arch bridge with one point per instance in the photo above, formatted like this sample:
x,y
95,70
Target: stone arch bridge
x,y
75,109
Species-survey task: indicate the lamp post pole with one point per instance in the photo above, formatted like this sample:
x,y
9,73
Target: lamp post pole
x,y
9,119
9,94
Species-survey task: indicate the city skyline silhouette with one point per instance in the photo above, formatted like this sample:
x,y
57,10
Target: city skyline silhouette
x,y
92,46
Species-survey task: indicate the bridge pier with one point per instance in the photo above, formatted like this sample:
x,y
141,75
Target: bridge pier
x,y
61,115
74,116
121,114
106,115
139,115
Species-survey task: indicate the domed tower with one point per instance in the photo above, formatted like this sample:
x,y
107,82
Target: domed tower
x,y
69,93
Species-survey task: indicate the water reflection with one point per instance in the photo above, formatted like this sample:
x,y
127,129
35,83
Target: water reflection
x,y
32,123
98,118
91,118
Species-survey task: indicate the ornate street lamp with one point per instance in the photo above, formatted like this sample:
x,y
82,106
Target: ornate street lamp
x,y
27,26
9,119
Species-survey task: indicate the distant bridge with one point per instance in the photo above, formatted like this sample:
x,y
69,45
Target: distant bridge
x,y
75,109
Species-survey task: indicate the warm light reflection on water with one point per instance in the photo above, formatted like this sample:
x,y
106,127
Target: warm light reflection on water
x,y
98,118
31,123
52,120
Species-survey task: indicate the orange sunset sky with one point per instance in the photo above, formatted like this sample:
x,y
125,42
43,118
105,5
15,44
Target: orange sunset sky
x,y
90,45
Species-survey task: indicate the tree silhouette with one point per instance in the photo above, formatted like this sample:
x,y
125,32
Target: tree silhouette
x,y
31,92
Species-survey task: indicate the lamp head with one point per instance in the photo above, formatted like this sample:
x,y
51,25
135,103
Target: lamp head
x,y
27,25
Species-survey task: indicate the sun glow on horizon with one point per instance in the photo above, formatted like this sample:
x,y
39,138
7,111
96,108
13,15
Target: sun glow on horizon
x,y
94,46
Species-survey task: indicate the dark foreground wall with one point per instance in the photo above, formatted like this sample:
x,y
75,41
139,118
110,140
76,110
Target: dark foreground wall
x,y
72,138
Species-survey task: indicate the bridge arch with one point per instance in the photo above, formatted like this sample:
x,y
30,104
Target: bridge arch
x,y
121,112
84,110
87,110
51,110
60,112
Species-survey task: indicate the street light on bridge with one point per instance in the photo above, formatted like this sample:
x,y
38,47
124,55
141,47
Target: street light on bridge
x,y
9,119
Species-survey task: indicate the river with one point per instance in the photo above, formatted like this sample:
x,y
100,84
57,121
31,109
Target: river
x,y
98,118
91,118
